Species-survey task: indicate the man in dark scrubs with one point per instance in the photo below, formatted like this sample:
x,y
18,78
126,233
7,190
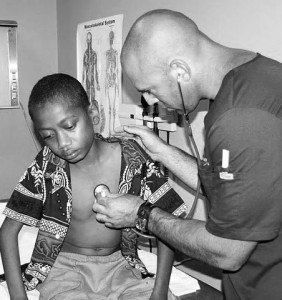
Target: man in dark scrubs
x,y
169,59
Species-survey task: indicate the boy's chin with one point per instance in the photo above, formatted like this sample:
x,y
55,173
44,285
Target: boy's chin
x,y
73,160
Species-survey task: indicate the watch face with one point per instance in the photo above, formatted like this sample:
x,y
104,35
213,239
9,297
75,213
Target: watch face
x,y
141,224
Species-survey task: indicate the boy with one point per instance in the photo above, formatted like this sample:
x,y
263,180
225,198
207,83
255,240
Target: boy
x,y
75,257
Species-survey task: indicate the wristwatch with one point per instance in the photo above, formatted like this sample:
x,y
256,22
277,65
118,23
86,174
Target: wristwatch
x,y
143,214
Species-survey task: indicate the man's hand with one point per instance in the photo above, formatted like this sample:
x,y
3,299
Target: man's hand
x,y
152,144
117,211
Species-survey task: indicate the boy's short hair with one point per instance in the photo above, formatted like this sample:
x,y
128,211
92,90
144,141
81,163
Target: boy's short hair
x,y
56,88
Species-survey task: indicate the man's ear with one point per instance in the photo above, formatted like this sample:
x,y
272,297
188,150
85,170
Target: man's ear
x,y
180,70
93,111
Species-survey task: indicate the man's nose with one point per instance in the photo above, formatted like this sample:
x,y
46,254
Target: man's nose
x,y
150,99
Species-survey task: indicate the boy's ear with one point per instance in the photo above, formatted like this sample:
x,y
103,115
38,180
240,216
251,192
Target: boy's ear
x,y
94,114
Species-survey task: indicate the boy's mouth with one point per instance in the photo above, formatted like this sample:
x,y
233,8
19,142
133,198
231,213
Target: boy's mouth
x,y
70,154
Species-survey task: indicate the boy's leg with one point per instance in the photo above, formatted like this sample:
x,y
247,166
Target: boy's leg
x,y
63,282
76,276
111,278
134,287
140,291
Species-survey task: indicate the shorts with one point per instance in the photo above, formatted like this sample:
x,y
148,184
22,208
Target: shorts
x,y
82,277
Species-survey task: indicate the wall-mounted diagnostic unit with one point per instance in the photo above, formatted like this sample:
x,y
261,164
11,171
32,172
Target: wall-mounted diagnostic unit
x,y
9,91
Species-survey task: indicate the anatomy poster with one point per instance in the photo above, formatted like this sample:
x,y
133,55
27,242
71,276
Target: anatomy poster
x,y
99,44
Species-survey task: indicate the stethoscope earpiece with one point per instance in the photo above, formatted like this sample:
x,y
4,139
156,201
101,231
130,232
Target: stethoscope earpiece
x,y
178,77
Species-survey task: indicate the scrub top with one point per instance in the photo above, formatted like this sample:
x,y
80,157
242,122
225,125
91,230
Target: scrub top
x,y
246,197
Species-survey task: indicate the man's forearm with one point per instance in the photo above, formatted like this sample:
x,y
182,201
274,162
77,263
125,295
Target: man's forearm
x,y
184,235
181,164
191,238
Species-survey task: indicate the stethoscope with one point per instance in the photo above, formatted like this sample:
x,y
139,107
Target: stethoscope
x,y
189,137
103,190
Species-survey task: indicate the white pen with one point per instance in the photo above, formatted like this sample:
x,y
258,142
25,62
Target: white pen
x,y
225,159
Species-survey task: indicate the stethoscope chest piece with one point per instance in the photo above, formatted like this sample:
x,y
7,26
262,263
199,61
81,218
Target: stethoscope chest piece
x,y
101,190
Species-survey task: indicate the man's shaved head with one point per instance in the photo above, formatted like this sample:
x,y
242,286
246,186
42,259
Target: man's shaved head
x,y
158,34
165,47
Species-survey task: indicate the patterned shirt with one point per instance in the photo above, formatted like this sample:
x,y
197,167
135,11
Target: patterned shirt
x,y
43,198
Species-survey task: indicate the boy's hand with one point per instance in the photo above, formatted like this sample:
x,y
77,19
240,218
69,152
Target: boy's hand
x,y
117,211
152,144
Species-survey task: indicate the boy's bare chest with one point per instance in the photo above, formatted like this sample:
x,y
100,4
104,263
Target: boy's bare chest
x,y
83,184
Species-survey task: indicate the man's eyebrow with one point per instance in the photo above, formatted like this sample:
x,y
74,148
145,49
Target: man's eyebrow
x,y
142,91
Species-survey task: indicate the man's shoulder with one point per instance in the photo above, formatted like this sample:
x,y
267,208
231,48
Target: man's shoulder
x,y
253,85
256,74
259,68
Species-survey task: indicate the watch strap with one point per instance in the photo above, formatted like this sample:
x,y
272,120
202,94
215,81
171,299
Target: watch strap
x,y
144,212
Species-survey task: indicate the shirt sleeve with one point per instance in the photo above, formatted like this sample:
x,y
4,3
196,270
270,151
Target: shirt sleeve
x,y
156,189
26,202
247,205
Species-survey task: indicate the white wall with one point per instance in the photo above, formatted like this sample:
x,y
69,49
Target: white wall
x,y
37,56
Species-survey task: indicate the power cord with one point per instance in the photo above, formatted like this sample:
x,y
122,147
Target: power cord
x,y
28,127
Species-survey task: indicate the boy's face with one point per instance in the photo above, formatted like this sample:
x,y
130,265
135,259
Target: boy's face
x,y
67,131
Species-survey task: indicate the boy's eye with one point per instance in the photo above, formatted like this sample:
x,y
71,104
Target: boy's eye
x,y
71,126
47,137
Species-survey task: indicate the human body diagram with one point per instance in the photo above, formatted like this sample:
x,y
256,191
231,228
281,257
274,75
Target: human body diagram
x,y
98,68
112,84
90,75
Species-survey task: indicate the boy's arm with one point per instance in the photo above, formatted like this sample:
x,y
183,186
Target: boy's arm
x,y
165,197
165,258
10,257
